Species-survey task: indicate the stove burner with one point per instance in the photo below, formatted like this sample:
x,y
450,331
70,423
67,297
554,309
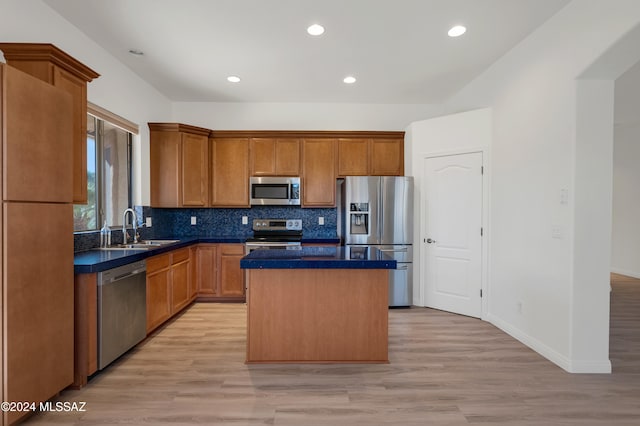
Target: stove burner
x,y
276,230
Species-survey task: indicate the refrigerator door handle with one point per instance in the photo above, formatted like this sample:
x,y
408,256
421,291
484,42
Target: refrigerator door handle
x,y
405,249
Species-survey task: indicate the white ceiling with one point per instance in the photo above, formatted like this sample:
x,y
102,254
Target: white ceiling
x,y
397,49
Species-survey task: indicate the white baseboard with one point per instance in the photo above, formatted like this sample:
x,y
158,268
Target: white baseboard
x,y
599,367
625,272
557,358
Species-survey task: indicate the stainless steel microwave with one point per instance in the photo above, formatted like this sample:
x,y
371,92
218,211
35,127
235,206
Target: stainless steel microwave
x,y
274,191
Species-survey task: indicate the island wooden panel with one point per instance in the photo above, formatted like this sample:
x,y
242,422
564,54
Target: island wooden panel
x,y
317,315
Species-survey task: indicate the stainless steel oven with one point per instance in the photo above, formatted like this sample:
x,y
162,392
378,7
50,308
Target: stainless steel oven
x,y
274,191
271,245
279,234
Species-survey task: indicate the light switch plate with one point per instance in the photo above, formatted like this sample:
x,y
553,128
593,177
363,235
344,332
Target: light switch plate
x,y
194,221
148,222
245,220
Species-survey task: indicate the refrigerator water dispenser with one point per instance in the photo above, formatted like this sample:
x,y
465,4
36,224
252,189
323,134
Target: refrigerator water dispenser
x,y
359,223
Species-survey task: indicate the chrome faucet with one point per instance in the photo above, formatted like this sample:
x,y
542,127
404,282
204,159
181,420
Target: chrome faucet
x,y
134,219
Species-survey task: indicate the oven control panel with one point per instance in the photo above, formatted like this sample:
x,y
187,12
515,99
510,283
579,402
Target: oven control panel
x,y
277,224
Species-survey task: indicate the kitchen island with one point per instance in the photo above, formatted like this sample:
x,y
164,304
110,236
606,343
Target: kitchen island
x,y
317,304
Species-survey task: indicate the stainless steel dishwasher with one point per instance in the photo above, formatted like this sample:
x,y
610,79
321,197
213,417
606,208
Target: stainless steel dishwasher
x,y
122,310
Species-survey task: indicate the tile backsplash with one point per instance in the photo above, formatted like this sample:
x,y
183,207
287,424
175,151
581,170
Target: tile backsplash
x,y
228,222
215,222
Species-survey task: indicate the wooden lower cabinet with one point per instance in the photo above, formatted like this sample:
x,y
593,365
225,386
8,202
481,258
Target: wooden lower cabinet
x,y
231,280
86,328
219,276
206,267
158,290
37,302
180,277
193,279
168,286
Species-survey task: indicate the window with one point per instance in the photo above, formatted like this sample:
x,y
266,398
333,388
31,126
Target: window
x,y
108,176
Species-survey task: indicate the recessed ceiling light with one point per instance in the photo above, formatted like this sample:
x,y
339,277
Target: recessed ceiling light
x,y
349,79
233,79
136,52
457,31
315,30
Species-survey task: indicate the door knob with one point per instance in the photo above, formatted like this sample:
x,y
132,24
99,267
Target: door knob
x,y
430,241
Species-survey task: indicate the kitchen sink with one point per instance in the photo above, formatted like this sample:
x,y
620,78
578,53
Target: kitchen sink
x,y
158,242
141,246
130,247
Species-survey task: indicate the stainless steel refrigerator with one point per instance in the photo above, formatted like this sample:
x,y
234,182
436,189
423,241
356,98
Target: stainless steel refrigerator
x,y
377,211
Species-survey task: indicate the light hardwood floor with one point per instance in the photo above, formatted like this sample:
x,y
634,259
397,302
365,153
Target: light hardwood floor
x,y
445,370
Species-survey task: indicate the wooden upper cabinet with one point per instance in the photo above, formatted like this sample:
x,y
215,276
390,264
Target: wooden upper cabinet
x,y
373,156
275,156
263,156
37,147
319,172
353,157
229,172
288,157
195,170
179,165
47,62
387,157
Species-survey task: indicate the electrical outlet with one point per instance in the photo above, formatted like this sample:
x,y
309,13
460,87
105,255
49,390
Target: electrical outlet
x,y
320,220
245,220
556,232
148,222
194,221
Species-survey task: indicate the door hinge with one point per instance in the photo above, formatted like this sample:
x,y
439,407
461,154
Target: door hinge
x,y
481,232
480,292
481,170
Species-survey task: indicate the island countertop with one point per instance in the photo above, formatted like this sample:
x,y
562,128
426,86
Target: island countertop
x,y
322,257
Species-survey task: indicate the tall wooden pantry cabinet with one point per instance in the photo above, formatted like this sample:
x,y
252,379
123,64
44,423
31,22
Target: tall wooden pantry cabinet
x,y
37,239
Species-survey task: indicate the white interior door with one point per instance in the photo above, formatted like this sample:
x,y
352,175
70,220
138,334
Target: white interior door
x,y
452,242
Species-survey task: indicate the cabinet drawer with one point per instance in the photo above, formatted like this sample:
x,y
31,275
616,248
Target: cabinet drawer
x,y
180,255
232,248
159,262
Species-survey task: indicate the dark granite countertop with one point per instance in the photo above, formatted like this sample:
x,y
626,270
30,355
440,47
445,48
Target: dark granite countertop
x,y
100,260
318,258
97,260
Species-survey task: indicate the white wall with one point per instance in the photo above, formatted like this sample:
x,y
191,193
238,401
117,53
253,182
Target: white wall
x,y
117,89
540,147
300,116
625,253
451,134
